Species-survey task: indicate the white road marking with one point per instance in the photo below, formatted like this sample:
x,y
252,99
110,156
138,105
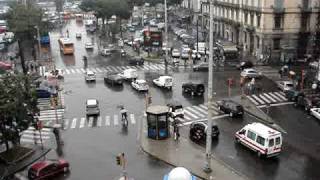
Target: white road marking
x,y
90,122
99,122
74,123
115,120
190,114
107,120
66,123
278,104
200,109
275,97
280,95
83,71
194,111
78,71
67,71
269,97
201,120
264,98
258,99
252,100
72,71
82,122
133,121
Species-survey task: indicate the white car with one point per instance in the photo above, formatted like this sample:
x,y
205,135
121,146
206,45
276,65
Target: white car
x,y
175,53
106,52
92,107
89,45
285,85
140,85
250,73
90,76
185,54
315,112
78,35
164,81
129,74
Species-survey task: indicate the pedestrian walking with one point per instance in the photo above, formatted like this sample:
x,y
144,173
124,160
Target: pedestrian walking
x,y
176,132
124,115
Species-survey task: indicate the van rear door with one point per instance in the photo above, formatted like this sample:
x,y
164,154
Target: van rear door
x,y
274,145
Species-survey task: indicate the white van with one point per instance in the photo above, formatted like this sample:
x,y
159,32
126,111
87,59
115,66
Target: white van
x,y
260,138
129,74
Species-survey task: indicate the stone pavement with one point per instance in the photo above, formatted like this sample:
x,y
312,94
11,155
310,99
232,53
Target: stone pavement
x,y
187,154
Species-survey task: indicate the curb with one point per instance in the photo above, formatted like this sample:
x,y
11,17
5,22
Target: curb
x,y
232,170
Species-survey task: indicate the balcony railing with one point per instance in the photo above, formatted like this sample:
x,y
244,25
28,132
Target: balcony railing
x,y
278,10
305,9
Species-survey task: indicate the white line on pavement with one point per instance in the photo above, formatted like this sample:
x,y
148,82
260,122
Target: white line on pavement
x,y
82,122
115,120
99,121
74,123
107,120
90,122
278,104
133,121
200,120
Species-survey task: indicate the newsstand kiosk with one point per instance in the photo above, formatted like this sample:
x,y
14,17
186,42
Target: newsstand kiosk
x,y
158,122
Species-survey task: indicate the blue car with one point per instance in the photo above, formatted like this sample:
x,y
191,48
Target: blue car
x,y
42,93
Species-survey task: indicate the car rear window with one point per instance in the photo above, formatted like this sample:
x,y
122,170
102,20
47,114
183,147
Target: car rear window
x,y
278,140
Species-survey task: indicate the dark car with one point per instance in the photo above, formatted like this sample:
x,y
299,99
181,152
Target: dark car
x,y
113,78
204,66
230,107
244,65
193,88
48,169
176,109
307,102
43,93
198,131
292,95
136,61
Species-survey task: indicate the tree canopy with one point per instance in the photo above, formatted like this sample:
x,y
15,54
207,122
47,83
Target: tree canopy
x,y
23,20
18,103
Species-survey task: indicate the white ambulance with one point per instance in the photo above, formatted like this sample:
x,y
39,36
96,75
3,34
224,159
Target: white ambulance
x,y
260,138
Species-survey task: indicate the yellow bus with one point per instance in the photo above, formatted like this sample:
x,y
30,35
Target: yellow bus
x,y
66,46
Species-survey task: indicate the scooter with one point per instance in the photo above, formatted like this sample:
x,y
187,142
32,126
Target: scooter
x,y
123,53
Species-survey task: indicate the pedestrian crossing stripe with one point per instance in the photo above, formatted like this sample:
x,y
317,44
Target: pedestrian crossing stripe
x,y
90,122
67,71
115,120
267,98
99,122
78,71
72,71
133,121
82,122
74,123
31,135
107,120
83,71
192,110
188,113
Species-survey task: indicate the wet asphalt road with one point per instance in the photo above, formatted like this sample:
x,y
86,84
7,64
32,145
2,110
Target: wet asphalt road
x,y
92,151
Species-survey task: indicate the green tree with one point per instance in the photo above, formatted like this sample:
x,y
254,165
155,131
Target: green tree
x,y
18,103
23,21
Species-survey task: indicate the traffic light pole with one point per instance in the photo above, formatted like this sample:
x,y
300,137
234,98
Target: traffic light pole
x,y
166,32
207,165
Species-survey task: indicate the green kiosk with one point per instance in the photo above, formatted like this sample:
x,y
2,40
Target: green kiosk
x,y
158,122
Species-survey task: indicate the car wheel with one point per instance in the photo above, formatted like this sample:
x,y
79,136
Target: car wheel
x,y
237,140
197,135
65,169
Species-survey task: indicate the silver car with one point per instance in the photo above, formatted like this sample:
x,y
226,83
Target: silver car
x,y
92,107
250,73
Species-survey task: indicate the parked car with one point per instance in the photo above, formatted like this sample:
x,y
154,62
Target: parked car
x,y
43,93
113,78
230,107
129,74
140,85
175,53
204,66
315,112
185,53
78,35
106,52
193,88
90,76
89,45
175,110
260,138
48,169
250,73
198,131
136,60
244,65
164,81
92,107
292,95
285,85
307,102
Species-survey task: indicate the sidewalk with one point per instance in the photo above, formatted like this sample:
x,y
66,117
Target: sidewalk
x,y
187,154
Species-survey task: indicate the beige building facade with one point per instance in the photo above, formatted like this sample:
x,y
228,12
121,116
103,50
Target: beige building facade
x,y
281,29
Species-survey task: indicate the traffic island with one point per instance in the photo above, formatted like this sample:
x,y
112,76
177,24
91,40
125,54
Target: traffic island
x,y
184,153
15,154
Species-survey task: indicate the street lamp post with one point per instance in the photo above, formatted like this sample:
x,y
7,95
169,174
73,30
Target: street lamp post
x,y
166,32
207,165
39,44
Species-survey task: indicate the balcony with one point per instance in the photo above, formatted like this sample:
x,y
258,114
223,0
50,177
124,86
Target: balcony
x,y
249,28
251,8
278,10
305,9
227,4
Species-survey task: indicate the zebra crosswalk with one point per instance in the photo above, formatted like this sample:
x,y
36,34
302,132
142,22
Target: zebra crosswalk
x,y
147,67
100,121
45,103
267,98
192,113
33,136
51,117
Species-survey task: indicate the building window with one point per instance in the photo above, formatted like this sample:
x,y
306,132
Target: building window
x,y
246,18
237,15
305,3
258,20
276,43
251,20
278,3
258,42
277,21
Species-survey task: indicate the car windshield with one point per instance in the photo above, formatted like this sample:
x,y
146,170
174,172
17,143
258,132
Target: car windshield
x,y
290,85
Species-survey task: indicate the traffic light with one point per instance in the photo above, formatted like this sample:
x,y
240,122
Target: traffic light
x,y
118,159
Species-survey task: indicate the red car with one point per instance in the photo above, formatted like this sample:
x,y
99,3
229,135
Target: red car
x,y
48,169
5,66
